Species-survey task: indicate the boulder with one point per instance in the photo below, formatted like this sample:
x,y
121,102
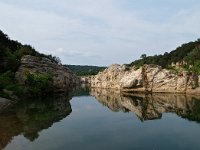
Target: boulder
x,y
63,78
4,103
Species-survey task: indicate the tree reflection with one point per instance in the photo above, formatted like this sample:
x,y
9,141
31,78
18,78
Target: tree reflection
x,y
29,117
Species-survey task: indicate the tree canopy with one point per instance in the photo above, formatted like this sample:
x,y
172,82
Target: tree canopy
x,y
85,70
11,52
189,52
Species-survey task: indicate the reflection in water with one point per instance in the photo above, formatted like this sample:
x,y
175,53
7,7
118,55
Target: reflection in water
x,y
31,116
149,107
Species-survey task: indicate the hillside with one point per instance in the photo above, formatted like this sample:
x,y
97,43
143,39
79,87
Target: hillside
x,y
24,71
85,70
12,51
186,55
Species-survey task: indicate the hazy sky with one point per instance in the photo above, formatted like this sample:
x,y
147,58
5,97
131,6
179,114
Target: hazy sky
x,y
101,32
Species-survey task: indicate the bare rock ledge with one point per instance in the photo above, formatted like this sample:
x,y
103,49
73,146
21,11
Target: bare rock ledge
x,y
148,79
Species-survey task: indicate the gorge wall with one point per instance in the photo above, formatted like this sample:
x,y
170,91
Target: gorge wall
x,y
63,78
148,79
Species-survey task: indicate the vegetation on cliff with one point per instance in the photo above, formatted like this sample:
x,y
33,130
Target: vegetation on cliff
x,y
187,56
36,85
11,53
39,84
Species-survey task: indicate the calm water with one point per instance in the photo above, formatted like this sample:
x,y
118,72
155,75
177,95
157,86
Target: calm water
x,y
102,120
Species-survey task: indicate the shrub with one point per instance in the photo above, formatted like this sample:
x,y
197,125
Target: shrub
x,y
39,84
7,82
196,67
6,79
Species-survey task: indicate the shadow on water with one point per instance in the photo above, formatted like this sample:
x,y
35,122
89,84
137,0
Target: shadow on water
x,y
29,117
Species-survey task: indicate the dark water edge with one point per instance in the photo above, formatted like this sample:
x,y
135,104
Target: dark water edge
x,y
102,119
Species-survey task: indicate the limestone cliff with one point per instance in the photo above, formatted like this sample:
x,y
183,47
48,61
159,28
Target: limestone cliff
x,y
63,78
148,78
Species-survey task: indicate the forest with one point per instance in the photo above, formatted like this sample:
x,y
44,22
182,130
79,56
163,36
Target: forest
x,y
187,56
81,70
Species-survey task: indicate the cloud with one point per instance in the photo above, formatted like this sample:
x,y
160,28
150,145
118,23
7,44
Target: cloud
x,y
73,53
101,32
60,50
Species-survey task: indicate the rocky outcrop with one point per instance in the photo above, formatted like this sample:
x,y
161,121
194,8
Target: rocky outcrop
x,y
148,78
149,107
63,78
4,103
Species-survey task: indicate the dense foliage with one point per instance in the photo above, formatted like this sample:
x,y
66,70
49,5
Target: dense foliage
x,y
38,84
85,70
35,85
7,83
10,54
188,54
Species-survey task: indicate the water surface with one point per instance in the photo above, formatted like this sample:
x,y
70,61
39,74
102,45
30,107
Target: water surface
x,y
102,120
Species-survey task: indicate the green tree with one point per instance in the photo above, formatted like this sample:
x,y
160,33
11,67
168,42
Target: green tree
x,y
143,56
25,50
196,67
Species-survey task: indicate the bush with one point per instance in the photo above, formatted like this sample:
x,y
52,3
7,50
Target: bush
x,y
25,50
196,67
39,84
17,90
7,82
6,79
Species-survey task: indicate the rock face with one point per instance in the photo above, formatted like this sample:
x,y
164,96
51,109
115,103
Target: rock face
x,y
4,103
148,78
63,78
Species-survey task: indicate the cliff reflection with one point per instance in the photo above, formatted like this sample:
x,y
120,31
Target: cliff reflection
x,y
149,107
29,117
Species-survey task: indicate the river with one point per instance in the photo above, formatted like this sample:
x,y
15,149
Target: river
x,y
102,119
